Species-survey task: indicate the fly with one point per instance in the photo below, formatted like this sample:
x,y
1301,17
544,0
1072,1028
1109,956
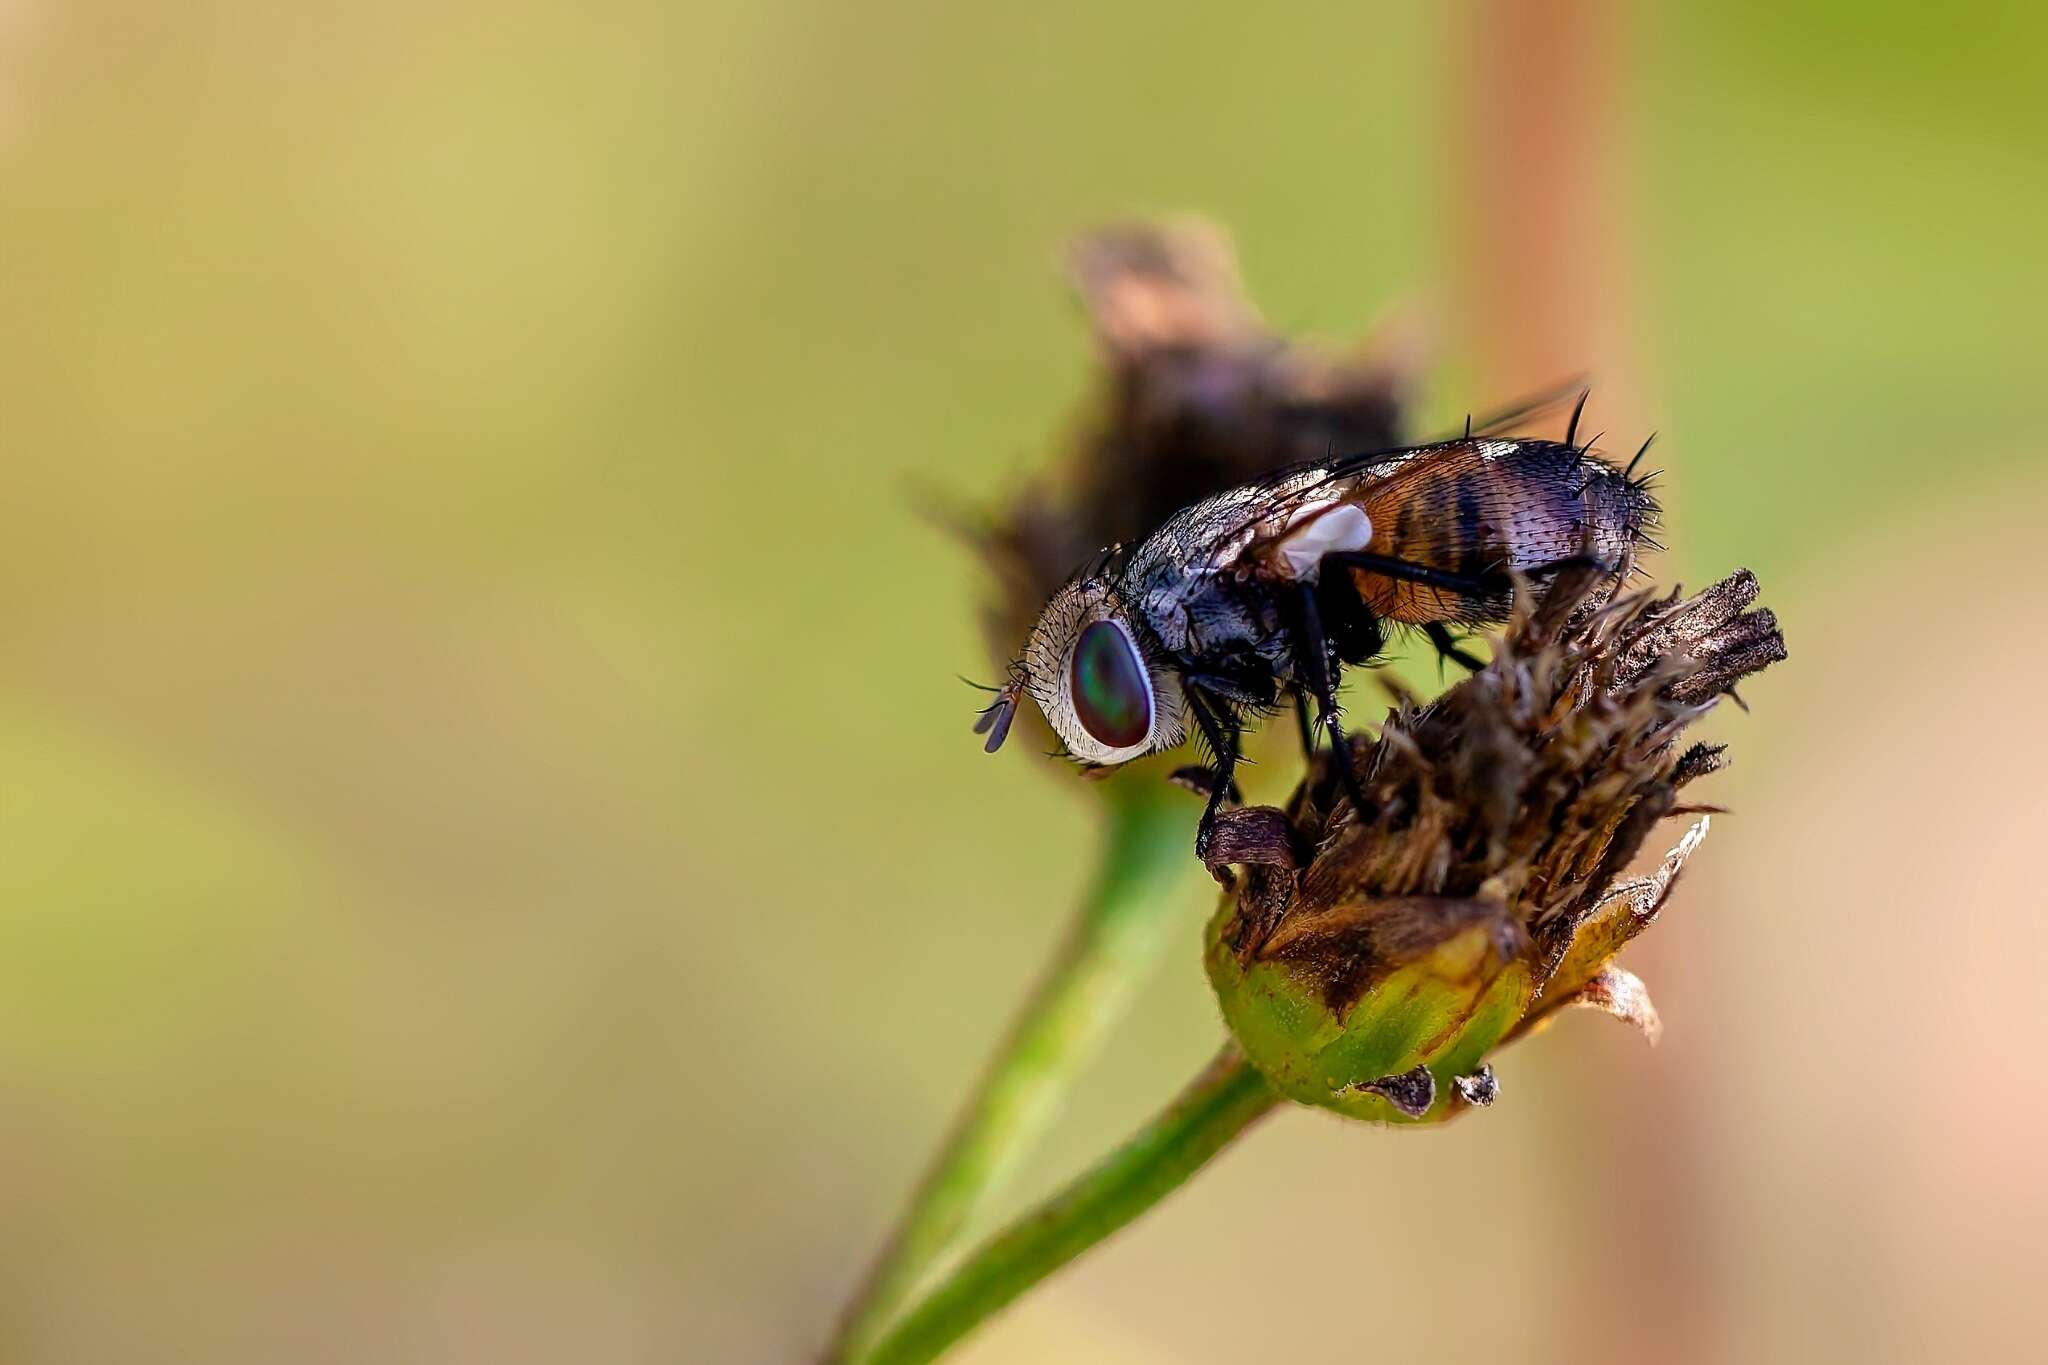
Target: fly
x,y
1269,590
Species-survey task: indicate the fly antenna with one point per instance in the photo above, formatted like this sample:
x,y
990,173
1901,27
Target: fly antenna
x,y
994,719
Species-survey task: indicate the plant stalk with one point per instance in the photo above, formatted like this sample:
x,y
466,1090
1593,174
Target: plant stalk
x,y
1216,1107
1117,934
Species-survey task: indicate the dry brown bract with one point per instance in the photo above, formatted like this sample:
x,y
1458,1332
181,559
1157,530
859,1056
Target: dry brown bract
x,y
1196,394
1512,805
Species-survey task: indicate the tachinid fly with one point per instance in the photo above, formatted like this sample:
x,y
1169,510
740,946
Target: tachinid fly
x,y
1268,590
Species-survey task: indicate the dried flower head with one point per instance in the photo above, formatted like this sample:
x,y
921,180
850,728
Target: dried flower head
x,y
1369,960
1196,395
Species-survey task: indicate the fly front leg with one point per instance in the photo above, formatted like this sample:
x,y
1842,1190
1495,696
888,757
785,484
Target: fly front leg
x,y
1222,732
1215,695
1200,779
1250,834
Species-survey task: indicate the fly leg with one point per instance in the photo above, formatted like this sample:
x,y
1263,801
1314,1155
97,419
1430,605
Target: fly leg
x,y
1200,779
1312,666
1306,726
1447,647
1212,695
1572,562
1253,835
1407,570
1471,585
1222,733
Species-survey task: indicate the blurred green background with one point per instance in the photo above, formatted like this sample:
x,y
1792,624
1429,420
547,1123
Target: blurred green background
x,y
492,863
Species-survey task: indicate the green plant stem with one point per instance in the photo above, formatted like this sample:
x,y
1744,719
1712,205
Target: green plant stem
x,y
1218,1105
1117,934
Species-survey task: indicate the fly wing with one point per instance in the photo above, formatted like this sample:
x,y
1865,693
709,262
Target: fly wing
x,y
1320,511
1218,532
1517,418
1473,508
1447,507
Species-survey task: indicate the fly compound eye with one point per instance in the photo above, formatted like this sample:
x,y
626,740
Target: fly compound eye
x,y
1111,690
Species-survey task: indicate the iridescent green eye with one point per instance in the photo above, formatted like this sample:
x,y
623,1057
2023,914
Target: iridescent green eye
x,y
1112,693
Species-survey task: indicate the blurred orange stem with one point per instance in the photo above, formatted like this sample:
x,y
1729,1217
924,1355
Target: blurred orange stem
x,y
1086,988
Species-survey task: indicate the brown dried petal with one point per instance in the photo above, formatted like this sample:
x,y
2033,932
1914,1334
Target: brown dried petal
x,y
1411,1092
1746,645
1613,990
1479,1089
1621,993
1161,286
1251,834
1351,946
1698,762
1680,625
1577,946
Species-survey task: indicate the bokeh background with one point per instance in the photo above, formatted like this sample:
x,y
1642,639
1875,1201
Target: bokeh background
x,y
492,865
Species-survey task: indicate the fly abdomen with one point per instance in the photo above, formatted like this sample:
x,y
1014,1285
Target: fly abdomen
x,y
1473,509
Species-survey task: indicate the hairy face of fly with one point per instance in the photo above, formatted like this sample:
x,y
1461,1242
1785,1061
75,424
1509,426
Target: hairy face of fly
x,y
1088,673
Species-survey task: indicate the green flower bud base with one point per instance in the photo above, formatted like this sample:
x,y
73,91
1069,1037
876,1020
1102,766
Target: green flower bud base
x,y
1444,1008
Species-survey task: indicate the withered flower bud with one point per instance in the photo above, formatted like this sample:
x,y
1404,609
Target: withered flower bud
x,y
1482,889
1196,395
